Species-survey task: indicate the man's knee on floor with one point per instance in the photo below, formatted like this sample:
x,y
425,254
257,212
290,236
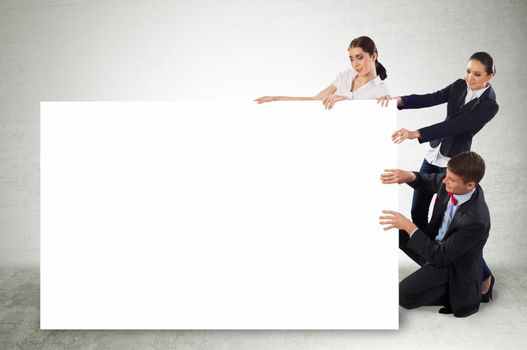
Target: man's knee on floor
x,y
407,299
406,302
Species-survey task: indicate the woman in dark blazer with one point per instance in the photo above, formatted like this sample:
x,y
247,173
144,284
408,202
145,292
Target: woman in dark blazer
x,y
471,103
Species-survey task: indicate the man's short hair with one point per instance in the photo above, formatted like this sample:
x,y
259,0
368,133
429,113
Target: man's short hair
x,y
468,165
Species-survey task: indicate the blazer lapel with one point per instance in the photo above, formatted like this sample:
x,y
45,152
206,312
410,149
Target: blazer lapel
x,y
461,99
455,220
472,105
437,214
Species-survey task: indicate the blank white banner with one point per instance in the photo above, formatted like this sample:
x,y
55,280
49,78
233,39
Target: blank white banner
x,y
217,215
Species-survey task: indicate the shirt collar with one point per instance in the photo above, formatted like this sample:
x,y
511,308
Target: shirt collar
x,y
477,93
377,80
462,198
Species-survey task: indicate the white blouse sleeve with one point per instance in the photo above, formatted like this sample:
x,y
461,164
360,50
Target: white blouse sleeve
x,y
343,85
337,80
384,89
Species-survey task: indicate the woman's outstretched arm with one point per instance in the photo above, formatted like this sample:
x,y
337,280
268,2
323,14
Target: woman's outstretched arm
x,y
330,90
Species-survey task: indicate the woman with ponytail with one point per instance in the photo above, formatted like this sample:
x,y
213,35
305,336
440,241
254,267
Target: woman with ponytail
x,y
365,80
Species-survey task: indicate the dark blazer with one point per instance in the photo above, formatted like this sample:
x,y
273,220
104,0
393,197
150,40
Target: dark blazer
x,y
462,121
461,251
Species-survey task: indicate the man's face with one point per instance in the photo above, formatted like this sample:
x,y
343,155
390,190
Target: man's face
x,y
455,184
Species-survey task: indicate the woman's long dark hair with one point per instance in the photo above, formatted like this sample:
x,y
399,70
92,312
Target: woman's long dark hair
x,y
366,44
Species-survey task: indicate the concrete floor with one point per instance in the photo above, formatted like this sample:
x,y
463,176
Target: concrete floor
x,y
498,325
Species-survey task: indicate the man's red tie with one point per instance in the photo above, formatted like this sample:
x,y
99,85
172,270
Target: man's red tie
x,y
452,198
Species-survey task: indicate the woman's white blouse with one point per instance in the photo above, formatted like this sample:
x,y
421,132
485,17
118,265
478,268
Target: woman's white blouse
x,y
371,90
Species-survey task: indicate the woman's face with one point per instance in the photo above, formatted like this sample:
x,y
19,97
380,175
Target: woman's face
x,y
476,75
361,62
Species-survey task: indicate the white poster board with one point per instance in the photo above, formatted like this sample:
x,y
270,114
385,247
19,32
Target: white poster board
x,y
217,215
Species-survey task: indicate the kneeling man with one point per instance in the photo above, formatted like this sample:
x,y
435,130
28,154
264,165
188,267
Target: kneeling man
x,y
450,249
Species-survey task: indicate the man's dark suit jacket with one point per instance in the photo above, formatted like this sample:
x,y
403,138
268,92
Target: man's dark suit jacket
x,y
462,121
461,250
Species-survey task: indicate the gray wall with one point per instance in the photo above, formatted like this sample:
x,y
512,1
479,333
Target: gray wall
x,y
160,50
